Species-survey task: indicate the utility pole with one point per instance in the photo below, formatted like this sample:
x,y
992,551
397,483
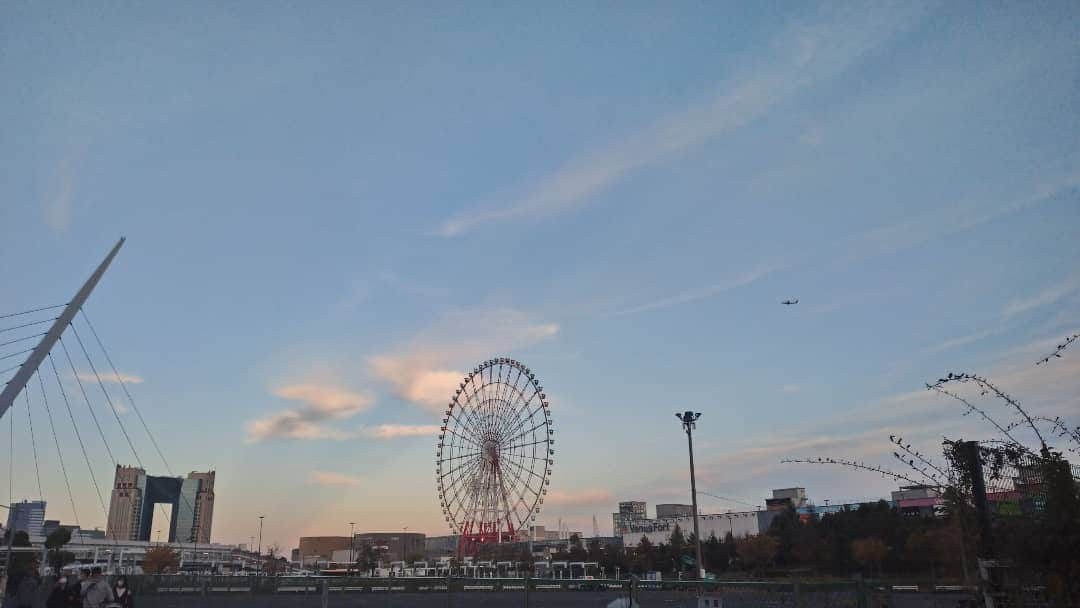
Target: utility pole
x,y
689,423
260,543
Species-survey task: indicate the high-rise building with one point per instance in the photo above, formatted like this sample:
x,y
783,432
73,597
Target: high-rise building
x,y
27,516
670,511
630,511
135,494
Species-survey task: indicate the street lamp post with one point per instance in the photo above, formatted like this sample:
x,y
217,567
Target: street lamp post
x,y
352,549
259,553
689,423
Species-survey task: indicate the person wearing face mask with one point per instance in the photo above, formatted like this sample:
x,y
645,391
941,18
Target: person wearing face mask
x,y
123,594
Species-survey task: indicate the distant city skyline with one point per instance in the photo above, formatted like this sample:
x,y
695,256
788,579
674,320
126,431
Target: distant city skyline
x,y
333,213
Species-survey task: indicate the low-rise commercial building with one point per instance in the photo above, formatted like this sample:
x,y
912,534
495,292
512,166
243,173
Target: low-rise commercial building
x,y
320,548
392,546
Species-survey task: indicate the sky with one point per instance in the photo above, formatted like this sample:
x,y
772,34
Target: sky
x,y
334,211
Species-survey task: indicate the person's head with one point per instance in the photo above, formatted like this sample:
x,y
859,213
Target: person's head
x,y
121,582
84,573
95,573
62,581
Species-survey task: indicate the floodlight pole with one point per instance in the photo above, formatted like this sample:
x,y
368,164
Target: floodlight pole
x,y
689,423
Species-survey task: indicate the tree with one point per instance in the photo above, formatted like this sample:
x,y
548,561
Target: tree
x,y
272,564
367,560
869,552
160,560
715,553
644,556
577,552
676,548
596,552
808,548
55,544
757,551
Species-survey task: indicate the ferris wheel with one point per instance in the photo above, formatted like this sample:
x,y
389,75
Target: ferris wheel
x,y
495,452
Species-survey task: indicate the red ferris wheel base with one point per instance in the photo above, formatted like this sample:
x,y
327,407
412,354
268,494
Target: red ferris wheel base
x,y
476,535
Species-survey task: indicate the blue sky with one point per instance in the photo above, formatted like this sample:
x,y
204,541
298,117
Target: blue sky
x,y
333,211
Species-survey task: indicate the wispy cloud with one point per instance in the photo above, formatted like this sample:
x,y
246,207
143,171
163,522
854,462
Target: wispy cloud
x,y
699,293
791,388
805,55
1016,307
328,478
962,340
950,219
424,371
1047,296
579,498
320,403
111,378
57,204
393,431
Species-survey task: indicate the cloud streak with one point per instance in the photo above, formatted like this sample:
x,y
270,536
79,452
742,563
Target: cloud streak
x,y
700,293
328,478
1050,295
393,431
579,498
111,378
806,54
320,403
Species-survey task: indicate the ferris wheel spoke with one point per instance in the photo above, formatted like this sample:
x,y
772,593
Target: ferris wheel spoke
x,y
542,424
508,398
464,438
516,395
524,445
460,456
525,481
517,421
509,394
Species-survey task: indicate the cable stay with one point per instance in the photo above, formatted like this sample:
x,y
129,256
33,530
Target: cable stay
x,y
112,407
16,340
33,310
86,398
14,327
78,436
59,453
33,445
127,393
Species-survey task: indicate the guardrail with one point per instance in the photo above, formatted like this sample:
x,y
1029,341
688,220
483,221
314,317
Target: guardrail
x,y
329,592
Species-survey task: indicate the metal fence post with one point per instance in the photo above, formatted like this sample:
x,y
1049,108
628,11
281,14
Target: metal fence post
x,y
326,592
798,594
527,578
